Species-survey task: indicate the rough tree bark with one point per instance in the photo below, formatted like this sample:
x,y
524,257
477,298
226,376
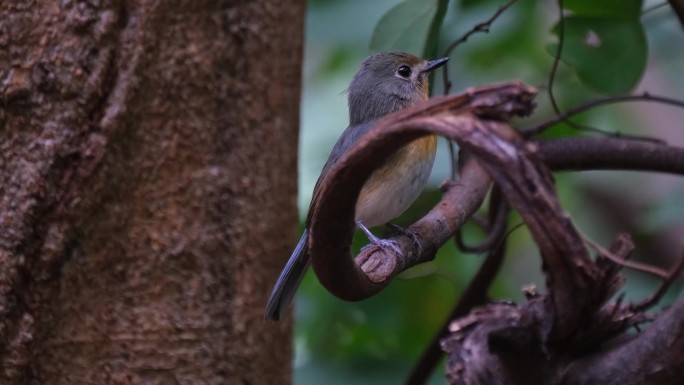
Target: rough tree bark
x,y
148,157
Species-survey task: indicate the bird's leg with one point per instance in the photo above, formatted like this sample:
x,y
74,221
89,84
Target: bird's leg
x,y
378,241
407,233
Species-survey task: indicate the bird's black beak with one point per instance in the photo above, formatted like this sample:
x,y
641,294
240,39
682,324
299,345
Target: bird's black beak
x,y
434,64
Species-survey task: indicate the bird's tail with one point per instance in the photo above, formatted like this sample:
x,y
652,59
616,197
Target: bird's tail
x,y
289,280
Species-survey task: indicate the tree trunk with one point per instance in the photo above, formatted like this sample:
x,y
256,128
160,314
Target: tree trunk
x,y
148,174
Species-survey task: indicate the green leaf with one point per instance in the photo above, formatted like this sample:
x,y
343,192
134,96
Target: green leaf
x,y
623,9
608,55
432,46
411,26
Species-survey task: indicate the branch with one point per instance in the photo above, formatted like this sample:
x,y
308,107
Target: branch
x,y
587,153
678,8
645,97
474,295
479,27
556,58
496,228
331,227
372,272
672,275
527,185
654,356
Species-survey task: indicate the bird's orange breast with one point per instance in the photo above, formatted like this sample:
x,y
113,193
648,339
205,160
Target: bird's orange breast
x,y
395,185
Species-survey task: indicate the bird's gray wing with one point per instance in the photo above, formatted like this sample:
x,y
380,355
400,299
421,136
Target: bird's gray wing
x,y
349,137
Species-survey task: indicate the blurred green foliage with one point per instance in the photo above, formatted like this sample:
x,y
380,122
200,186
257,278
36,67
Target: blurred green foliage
x,y
608,53
411,26
626,9
379,339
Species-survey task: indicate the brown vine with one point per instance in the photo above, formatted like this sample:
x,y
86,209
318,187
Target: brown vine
x,y
574,317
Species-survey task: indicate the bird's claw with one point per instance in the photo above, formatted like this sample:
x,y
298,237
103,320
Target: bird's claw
x,y
408,233
387,243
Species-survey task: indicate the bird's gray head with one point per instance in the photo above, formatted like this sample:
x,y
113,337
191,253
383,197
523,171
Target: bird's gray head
x,y
387,82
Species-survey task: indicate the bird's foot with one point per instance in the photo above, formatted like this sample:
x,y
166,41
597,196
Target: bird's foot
x,y
379,242
408,233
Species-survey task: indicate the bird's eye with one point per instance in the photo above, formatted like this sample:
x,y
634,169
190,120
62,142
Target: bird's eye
x,y
404,72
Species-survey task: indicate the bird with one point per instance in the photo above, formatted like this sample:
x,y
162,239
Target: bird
x,y
385,83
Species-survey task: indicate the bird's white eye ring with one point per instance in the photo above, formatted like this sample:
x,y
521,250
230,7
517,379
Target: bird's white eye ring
x,y
404,72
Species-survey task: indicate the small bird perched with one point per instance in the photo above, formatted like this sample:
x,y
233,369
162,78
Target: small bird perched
x,y
387,82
